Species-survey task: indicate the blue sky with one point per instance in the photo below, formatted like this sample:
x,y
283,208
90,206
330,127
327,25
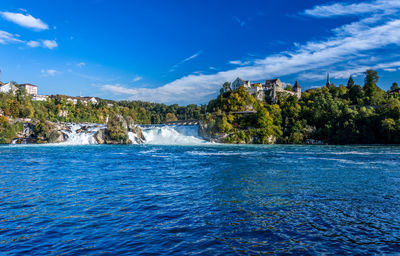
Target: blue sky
x,y
182,51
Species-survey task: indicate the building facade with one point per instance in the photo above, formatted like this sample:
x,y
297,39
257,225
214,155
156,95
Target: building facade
x,y
8,88
270,90
30,89
240,82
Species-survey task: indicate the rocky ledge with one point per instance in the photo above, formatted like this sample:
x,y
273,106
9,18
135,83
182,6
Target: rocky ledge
x,y
117,131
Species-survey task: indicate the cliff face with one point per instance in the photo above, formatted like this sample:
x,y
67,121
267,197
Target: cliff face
x,y
250,136
40,132
206,133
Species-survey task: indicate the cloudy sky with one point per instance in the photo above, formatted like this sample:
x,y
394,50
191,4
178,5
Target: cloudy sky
x,y
182,51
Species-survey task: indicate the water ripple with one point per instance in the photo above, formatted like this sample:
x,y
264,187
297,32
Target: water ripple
x,y
200,200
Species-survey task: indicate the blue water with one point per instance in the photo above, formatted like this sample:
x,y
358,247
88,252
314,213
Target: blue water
x,y
199,200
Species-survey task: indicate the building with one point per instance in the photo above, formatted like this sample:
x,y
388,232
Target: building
x,y
239,82
270,90
30,89
297,90
38,97
92,100
8,88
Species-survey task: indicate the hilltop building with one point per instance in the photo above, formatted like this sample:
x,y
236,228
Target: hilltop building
x,y
12,88
270,90
8,88
240,82
30,89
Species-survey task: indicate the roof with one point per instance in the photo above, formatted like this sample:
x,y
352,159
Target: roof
x,y
240,79
296,85
28,85
273,80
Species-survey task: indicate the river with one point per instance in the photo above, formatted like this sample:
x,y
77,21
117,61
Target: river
x,y
200,199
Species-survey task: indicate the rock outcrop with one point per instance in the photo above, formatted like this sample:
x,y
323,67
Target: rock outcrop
x,y
117,132
206,134
41,132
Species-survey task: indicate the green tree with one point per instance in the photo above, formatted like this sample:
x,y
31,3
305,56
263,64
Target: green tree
x,y
374,95
350,83
394,86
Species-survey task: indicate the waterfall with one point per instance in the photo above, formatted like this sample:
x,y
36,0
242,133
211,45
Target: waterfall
x,y
133,137
82,134
172,135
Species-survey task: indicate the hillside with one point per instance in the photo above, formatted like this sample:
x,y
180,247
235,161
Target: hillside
x,y
350,114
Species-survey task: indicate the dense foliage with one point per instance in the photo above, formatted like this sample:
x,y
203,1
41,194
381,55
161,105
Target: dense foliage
x,y
333,114
7,130
58,108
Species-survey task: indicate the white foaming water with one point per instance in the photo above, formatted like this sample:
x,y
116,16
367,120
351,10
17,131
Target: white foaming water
x,y
156,135
85,137
133,137
172,135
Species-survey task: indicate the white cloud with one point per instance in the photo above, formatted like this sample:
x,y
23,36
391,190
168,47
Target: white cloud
x,y
81,64
390,69
346,9
6,38
346,73
49,72
51,44
185,60
239,62
33,44
25,20
137,78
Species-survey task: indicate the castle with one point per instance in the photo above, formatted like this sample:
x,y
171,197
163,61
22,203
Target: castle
x,y
270,90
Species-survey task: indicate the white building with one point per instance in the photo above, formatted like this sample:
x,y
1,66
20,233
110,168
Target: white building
x,y
30,89
8,88
240,82
40,97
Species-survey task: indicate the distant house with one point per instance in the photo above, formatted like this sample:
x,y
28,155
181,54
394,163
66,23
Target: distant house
x,y
92,100
239,82
75,100
40,97
8,88
30,89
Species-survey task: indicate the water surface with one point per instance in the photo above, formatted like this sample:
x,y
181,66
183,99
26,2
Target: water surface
x,y
199,200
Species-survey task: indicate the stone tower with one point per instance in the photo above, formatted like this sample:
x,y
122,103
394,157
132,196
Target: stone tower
x,y
297,90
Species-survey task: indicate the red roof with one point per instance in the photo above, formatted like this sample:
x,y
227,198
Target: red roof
x,y
296,85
